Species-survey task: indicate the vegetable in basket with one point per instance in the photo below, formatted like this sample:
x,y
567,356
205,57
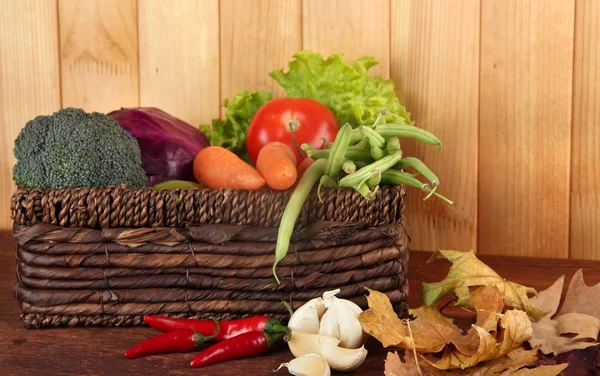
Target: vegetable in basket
x,y
168,144
217,168
293,122
376,149
346,89
277,164
231,132
73,148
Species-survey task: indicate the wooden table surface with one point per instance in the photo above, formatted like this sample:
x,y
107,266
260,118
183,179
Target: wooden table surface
x,y
99,351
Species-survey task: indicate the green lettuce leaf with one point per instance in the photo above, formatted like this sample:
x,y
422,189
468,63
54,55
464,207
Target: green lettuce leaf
x,y
345,89
231,132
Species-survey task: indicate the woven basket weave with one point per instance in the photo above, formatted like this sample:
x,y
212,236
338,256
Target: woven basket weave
x,y
106,257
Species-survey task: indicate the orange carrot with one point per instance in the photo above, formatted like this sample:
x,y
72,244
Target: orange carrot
x,y
218,167
304,165
277,164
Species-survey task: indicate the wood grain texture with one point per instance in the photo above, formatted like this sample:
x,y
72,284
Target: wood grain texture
x,y
353,27
257,37
435,65
29,78
99,54
99,351
525,127
585,163
179,57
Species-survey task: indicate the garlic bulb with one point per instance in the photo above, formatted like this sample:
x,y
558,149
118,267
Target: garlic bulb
x,y
307,343
341,321
306,318
326,327
342,359
307,365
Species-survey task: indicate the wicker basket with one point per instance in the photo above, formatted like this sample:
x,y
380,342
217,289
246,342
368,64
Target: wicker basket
x,y
106,257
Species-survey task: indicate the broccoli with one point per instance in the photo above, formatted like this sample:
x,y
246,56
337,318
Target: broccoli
x,y
72,148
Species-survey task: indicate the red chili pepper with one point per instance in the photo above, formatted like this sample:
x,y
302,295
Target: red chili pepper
x,y
243,346
229,329
183,340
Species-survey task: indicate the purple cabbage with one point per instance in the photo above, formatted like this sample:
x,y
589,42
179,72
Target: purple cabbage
x,y
168,144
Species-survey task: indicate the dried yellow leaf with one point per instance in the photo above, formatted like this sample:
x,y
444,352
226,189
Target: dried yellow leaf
x,y
431,332
512,364
467,271
515,329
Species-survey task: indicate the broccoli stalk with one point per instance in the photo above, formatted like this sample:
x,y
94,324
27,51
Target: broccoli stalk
x,y
72,148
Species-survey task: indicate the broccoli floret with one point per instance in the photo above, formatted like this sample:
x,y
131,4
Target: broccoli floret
x,y
73,148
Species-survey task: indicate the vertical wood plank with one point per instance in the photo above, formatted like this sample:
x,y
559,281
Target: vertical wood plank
x,y
435,65
179,57
525,127
353,27
257,37
585,179
29,78
99,54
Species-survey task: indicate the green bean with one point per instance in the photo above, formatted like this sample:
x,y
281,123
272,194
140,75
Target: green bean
x,y
364,173
408,131
348,166
420,167
360,164
292,210
374,137
327,144
375,179
392,145
361,145
353,154
327,181
337,151
395,177
367,193
376,152
357,136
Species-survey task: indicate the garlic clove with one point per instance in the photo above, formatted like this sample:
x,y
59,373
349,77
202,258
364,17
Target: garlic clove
x,y
307,343
306,318
307,365
331,300
339,323
342,359
329,294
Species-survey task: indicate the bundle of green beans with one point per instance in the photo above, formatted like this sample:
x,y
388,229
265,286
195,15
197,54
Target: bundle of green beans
x,y
361,158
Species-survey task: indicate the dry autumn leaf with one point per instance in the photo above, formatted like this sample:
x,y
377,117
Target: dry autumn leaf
x,y
515,329
581,298
431,331
467,271
488,301
584,326
546,332
513,364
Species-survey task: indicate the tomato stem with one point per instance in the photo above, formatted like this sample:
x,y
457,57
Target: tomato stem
x,y
296,143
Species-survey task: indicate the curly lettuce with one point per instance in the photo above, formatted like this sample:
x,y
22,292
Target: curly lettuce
x,y
346,89
231,132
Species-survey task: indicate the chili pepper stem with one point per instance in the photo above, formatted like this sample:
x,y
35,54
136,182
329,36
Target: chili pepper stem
x,y
272,338
202,339
273,326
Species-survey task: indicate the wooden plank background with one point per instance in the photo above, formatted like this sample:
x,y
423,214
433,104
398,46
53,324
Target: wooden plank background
x,y
511,87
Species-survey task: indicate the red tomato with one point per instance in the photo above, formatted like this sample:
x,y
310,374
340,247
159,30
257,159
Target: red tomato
x,y
310,121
